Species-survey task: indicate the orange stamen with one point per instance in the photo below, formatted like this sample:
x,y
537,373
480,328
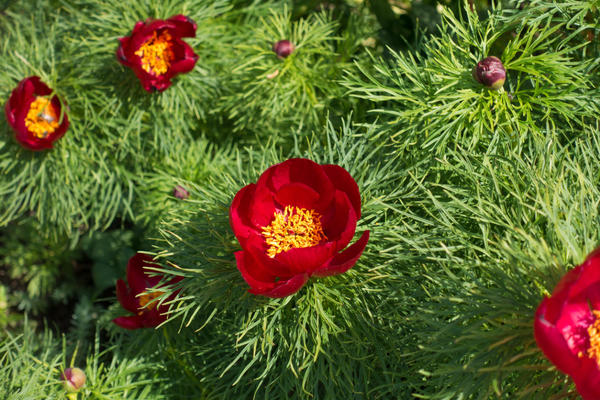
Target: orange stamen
x,y
157,53
42,118
146,298
294,228
594,332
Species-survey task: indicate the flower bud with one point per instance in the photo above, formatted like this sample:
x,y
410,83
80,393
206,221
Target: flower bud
x,y
490,72
73,379
283,48
180,192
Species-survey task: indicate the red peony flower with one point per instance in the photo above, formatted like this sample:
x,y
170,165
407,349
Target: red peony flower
x,y
294,223
134,298
155,51
35,114
567,326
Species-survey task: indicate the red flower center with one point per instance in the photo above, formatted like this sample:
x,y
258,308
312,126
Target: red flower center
x,y
42,118
294,228
157,53
146,298
594,334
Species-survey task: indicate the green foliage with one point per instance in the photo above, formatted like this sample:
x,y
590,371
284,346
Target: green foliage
x,y
579,19
187,164
7,319
297,344
430,101
75,186
37,269
143,123
270,94
477,201
500,233
49,279
109,253
31,366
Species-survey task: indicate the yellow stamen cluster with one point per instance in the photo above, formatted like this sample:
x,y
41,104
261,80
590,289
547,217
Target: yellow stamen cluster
x,y
146,298
594,332
294,228
42,118
157,53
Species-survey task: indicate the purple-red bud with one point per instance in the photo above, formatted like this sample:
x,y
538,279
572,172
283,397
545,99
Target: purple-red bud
x,y
490,72
180,192
283,48
73,379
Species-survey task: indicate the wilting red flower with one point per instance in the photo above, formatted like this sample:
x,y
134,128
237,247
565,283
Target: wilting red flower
x,y
35,115
294,223
567,326
155,51
134,298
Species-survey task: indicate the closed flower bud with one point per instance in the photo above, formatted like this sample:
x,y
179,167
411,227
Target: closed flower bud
x,y
490,72
283,48
180,192
73,379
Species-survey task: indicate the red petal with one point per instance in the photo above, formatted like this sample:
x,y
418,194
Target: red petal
x,y
560,295
152,318
11,108
340,224
39,87
239,212
307,259
593,296
589,275
122,51
158,84
152,25
142,32
300,170
574,320
256,244
183,66
185,59
587,379
343,181
26,96
345,260
298,195
284,288
255,275
64,125
137,278
125,297
139,27
552,343
182,26
262,207
129,322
